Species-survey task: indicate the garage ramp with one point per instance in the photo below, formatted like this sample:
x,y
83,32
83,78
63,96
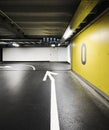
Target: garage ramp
x,y
25,99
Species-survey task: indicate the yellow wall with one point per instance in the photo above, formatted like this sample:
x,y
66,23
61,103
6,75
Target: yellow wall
x,y
96,39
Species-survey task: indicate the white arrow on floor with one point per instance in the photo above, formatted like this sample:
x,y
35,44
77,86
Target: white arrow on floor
x,y
54,121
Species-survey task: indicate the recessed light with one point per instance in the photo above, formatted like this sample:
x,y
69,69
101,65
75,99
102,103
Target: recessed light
x,y
59,44
52,45
15,45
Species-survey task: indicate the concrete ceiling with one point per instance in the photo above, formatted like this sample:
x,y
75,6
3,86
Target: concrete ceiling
x,y
39,21
40,18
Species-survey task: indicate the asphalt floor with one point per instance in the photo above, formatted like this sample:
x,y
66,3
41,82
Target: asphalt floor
x,y
25,99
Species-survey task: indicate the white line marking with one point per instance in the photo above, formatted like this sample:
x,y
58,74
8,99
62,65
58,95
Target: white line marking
x,y
33,67
54,121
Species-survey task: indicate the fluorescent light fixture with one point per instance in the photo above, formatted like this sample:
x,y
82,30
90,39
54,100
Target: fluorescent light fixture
x,y
3,43
67,33
52,45
15,44
6,39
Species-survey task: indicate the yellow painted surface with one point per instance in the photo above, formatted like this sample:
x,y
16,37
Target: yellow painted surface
x,y
96,39
83,10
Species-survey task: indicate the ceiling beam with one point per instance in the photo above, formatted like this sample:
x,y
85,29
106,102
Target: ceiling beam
x,y
40,9
36,2
9,24
83,11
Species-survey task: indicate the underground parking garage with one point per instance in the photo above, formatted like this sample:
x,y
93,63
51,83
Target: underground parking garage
x,y
54,65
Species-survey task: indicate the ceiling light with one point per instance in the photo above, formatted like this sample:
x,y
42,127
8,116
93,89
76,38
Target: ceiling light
x,y
15,45
67,33
59,44
52,45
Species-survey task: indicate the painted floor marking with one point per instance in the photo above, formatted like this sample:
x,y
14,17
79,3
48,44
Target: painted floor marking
x,y
9,67
54,120
33,67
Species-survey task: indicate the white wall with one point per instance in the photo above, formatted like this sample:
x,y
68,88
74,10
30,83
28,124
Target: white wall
x,y
69,53
62,54
53,54
35,54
